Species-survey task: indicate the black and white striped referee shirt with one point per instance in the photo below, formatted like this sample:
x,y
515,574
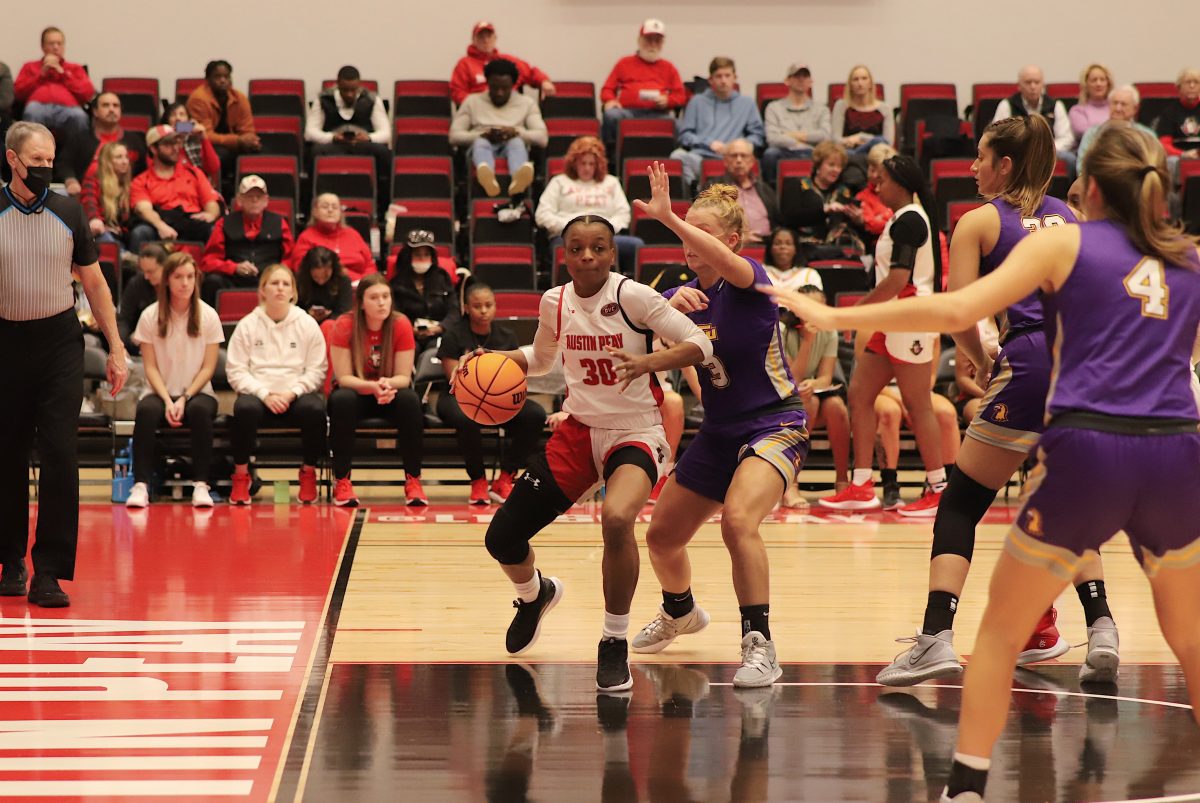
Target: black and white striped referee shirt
x,y
37,250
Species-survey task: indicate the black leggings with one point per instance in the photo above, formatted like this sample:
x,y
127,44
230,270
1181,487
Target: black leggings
x,y
525,428
346,408
306,412
198,416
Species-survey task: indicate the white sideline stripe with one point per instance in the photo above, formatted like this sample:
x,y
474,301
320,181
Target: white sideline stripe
x,y
127,788
130,763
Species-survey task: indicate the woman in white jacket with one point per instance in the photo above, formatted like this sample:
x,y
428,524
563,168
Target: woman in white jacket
x,y
586,188
277,364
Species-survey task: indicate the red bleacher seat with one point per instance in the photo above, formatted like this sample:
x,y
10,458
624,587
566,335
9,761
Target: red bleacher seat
x,y
1067,92
956,209
422,177
565,130
280,136
278,97
138,95
517,304
421,99
922,101
286,207
504,267
652,231
662,267
637,182
235,303
766,92
711,169
421,136
486,229
984,100
792,173
1189,182
571,99
282,174
648,138
1155,96
951,180
435,215
135,122
554,166
185,87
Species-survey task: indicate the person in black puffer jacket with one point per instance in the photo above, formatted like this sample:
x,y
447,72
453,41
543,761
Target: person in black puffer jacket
x,y
423,290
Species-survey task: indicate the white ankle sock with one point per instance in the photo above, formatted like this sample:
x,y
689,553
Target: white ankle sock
x,y
528,592
936,479
974,762
615,625
861,476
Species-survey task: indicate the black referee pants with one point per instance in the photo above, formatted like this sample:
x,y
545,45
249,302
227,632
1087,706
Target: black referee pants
x,y
41,408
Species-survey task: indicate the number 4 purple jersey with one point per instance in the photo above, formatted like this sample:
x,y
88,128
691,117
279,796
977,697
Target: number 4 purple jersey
x,y
1126,326
749,369
1014,227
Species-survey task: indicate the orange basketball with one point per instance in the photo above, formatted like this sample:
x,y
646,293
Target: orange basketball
x,y
490,388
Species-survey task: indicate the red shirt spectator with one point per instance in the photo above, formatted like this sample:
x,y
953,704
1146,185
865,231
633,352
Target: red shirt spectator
x,y
402,340
215,259
467,78
640,81
187,189
327,229
53,79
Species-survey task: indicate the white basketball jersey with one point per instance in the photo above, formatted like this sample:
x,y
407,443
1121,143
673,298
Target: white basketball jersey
x,y
584,328
923,270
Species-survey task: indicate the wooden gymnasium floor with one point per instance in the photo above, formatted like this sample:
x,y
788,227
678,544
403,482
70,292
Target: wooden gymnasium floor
x,y
290,653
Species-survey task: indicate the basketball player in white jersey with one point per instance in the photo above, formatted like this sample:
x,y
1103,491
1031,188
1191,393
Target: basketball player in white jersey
x,y
602,326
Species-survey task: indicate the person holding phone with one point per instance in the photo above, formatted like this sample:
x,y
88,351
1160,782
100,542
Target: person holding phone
x,y
350,119
196,146
422,290
324,288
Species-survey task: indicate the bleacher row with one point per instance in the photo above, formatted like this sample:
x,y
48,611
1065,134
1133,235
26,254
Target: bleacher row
x,y
433,188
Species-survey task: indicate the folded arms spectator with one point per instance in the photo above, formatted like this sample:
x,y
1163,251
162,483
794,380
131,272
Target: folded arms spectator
x,y
54,89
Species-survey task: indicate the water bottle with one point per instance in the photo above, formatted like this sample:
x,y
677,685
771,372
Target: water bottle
x,y
122,481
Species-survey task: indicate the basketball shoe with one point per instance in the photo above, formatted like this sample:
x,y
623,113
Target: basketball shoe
x,y
501,487
479,492
414,494
527,622
1045,643
760,667
308,485
929,657
612,665
343,493
239,494
852,497
1102,660
663,629
924,508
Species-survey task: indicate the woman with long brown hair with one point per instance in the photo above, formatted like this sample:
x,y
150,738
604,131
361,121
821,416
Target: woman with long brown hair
x,y
372,351
180,337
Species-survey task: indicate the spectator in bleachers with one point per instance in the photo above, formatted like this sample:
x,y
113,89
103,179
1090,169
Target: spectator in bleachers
x,y
323,287
477,331
794,123
7,95
642,85
826,204
585,187
1095,85
106,192
718,115
174,200
326,227
197,148
1179,124
875,213
890,411
813,356
499,122
1031,98
140,292
755,197
1123,105
785,264
350,119
245,241
226,116
276,364
54,89
372,351
860,119
82,150
469,75
422,291
180,337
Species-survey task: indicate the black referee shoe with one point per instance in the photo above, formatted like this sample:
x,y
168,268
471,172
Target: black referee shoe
x,y
45,592
13,579
527,622
612,665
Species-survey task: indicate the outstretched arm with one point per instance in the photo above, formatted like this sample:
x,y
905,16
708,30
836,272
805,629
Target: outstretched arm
x,y
1043,260
714,253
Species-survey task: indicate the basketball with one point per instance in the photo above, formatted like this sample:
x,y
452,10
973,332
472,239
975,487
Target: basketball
x,y
490,389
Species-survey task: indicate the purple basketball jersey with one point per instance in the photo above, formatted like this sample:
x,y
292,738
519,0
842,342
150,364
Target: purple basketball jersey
x,y
1126,324
1014,227
749,369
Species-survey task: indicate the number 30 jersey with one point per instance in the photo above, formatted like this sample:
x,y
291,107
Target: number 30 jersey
x,y
749,369
623,315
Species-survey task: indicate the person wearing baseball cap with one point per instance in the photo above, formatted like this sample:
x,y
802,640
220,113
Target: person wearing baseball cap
x,y
174,200
794,123
245,241
643,84
468,77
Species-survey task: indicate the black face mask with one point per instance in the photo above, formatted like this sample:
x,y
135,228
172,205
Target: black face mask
x,y
37,179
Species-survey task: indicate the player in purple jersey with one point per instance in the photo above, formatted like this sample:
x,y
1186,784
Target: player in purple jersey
x,y
1014,167
1121,449
753,440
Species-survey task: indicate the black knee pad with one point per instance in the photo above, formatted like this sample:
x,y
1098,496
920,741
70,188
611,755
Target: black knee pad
x,y
964,501
535,501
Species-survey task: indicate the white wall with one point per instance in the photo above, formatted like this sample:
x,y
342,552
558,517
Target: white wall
x,y
964,41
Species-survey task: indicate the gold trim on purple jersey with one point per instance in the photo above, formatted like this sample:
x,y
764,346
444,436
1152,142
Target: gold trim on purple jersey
x,y
775,447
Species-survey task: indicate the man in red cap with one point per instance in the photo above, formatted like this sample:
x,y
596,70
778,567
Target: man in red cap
x,y
172,197
642,85
245,241
468,78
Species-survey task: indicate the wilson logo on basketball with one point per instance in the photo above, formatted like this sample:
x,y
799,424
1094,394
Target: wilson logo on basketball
x,y
518,398
611,308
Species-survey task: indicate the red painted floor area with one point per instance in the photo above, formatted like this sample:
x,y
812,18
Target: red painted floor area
x,y
177,670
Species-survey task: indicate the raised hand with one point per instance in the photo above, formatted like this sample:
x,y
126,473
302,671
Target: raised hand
x,y
808,310
659,206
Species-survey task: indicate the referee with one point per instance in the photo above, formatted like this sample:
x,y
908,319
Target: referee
x,y
43,236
